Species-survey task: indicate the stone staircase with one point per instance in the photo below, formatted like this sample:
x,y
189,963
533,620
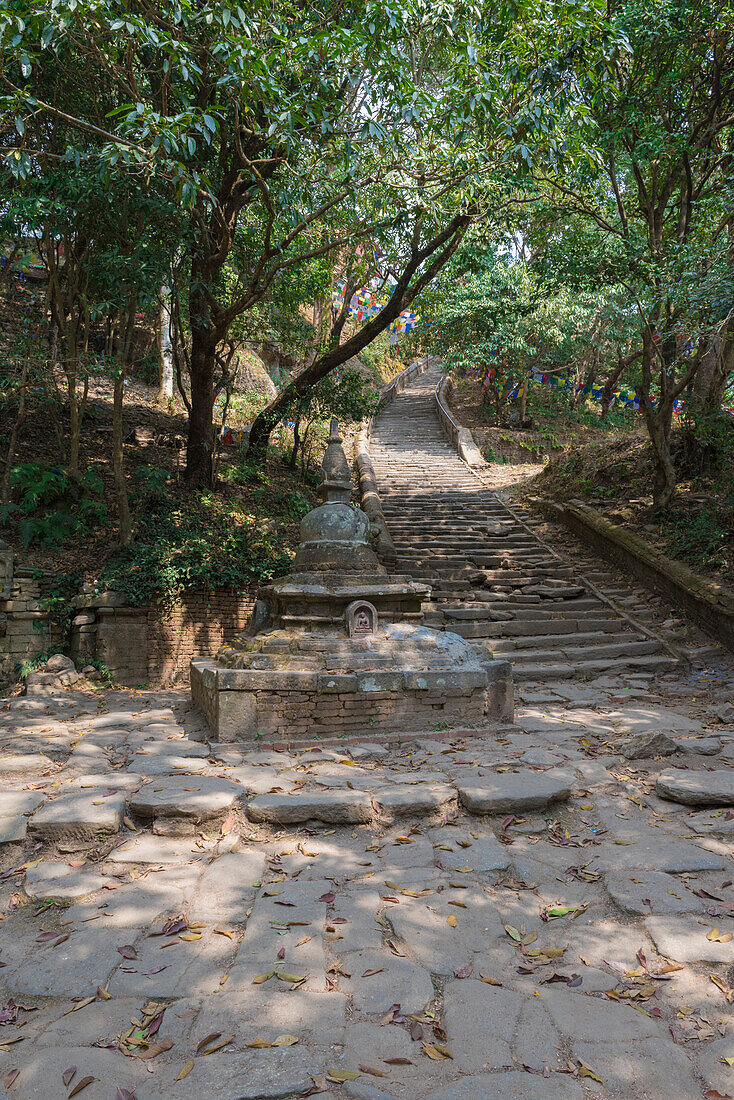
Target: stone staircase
x,y
493,580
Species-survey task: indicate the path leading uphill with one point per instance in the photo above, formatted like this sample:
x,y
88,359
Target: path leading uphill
x,y
494,580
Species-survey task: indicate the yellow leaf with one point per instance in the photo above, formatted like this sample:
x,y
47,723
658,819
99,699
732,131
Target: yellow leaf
x,y
185,1070
285,1041
191,938
433,1052
339,1076
263,978
259,1044
452,921
489,981
587,1071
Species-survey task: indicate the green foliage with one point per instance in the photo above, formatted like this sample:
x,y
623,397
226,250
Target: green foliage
x,y
30,664
704,537
200,542
51,505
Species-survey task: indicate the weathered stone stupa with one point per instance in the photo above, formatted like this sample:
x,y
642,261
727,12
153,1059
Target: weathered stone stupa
x,y
338,646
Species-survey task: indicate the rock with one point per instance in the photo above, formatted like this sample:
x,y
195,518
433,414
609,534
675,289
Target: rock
x,y
406,799
335,807
512,791
644,745
199,798
697,788
59,663
78,815
699,746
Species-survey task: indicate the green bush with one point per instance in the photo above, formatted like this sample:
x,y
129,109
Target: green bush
x,y
201,542
51,504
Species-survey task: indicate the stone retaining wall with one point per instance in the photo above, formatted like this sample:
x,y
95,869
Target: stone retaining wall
x,y
157,644
139,645
709,604
25,628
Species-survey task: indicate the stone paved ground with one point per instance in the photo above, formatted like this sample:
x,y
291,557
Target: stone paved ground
x,y
517,915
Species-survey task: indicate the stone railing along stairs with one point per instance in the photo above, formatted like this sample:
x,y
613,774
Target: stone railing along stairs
x,y
493,579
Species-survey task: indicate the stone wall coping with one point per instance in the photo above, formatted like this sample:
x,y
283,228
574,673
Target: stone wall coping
x,y
446,681
457,435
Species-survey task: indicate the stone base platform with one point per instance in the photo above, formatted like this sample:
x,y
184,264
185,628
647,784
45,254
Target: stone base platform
x,y
244,704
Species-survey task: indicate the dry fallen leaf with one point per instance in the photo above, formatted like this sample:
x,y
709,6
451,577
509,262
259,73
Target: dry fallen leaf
x,y
452,921
372,1071
81,1085
67,1075
285,1041
158,1048
185,1070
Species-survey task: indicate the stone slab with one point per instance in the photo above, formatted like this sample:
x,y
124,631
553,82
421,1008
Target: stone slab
x,y
13,803
42,1069
482,855
13,829
684,938
156,849
512,791
27,763
404,800
514,1085
697,788
649,892
78,815
332,807
398,981
59,880
251,1075
200,798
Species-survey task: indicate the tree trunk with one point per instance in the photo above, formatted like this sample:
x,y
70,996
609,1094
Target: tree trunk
x,y
123,504
659,421
199,448
20,417
296,443
165,348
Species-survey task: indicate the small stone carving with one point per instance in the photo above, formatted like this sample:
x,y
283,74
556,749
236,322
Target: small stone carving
x,y
361,619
